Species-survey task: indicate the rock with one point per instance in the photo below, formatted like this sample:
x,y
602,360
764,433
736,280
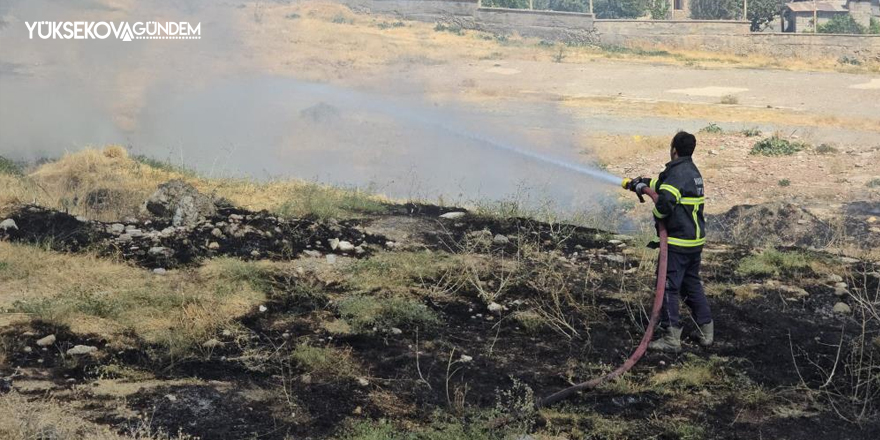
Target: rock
x,y
124,238
840,289
713,152
465,359
794,290
390,244
159,271
360,250
8,224
614,258
334,243
842,308
171,397
345,246
181,203
453,215
848,260
357,411
615,242
27,349
872,219
116,228
212,343
313,254
396,331
226,333
834,278
263,308
79,350
47,341
255,253
214,246
494,307
235,218
500,239
363,382
160,251
217,232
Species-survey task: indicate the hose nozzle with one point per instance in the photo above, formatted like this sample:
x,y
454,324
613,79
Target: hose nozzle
x,y
625,183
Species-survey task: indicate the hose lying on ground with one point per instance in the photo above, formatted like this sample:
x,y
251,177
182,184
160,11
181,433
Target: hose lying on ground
x,y
649,333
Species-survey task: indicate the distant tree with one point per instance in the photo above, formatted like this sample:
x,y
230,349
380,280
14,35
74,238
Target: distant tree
x,y
620,8
841,24
563,5
511,4
874,27
762,12
659,9
716,9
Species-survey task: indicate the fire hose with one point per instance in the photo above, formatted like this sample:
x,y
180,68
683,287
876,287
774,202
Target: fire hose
x,y
652,322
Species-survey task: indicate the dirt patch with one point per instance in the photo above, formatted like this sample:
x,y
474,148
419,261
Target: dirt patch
x,y
770,223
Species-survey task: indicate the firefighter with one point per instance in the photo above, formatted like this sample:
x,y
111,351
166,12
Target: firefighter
x,y
680,204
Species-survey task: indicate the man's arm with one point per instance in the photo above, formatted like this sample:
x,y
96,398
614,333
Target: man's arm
x,y
667,197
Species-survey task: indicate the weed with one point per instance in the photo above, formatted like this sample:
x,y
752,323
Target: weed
x,y
394,24
826,149
729,100
774,263
694,372
342,19
712,128
325,362
559,56
9,167
292,16
400,271
366,313
323,202
451,28
751,132
873,183
784,182
776,146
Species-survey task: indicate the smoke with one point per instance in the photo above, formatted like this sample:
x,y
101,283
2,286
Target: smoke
x,y
196,104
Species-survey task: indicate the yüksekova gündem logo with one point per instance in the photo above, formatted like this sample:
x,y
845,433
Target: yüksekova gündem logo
x,y
102,30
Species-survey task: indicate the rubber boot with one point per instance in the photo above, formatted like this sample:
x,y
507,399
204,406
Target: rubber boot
x,y
669,342
705,334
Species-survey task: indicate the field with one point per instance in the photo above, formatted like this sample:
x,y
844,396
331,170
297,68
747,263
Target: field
x,y
143,297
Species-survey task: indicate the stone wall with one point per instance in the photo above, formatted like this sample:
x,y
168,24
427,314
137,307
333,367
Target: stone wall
x,y
726,36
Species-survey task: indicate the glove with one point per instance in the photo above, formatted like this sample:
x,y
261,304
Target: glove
x,y
637,183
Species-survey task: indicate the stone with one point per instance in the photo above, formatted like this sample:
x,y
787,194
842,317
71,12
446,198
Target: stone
x,y
214,246
80,350
313,254
27,349
453,215
357,411
255,253
181,203
500,239
345,246
842,308
363,382
47,341
494,307
263,308
360,250
226,333
124,238
334,243
465,359
217,232
840,289
116,228
8,224
235,218
834,278
615,258
615,242
390,244
160,251
848,260
159,271
396,331
872,219
794,290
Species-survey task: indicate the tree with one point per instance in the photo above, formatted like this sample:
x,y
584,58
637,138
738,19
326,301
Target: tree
x,y
620,8
841,24
512,4
659,9
563,5
716,9
762,12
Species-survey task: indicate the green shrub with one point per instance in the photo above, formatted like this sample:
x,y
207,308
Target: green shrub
x,y
716,9
163,165
784,182
341,19
363,313
773,263
841,24
826,149
451,28
328,362
712,128
292,16
386,25
7,166
751,132
729,100
874,26
776,146
873,183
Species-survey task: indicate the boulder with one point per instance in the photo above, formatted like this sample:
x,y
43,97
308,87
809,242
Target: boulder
x,y
180,203
500,239
842,308
453,215
80,350
47,341
8,224
345,246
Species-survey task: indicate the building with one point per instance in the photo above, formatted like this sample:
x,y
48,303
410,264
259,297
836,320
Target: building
x,y
799,16
680,10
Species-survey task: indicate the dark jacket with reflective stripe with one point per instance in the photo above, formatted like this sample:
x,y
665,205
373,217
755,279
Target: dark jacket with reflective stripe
x,y
680,204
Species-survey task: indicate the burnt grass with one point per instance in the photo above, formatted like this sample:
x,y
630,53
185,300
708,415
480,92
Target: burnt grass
x,y
769,341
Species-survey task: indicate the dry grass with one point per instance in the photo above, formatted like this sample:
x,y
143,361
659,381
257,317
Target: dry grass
x,y
106,184
179,311
21,419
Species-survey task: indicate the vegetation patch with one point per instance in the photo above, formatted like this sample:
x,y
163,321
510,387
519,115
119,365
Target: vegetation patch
x,y
325,362
366,313
776,146
773,263
712,128
9,167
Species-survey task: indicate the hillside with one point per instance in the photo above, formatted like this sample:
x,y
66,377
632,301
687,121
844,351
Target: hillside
x,y
256,322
